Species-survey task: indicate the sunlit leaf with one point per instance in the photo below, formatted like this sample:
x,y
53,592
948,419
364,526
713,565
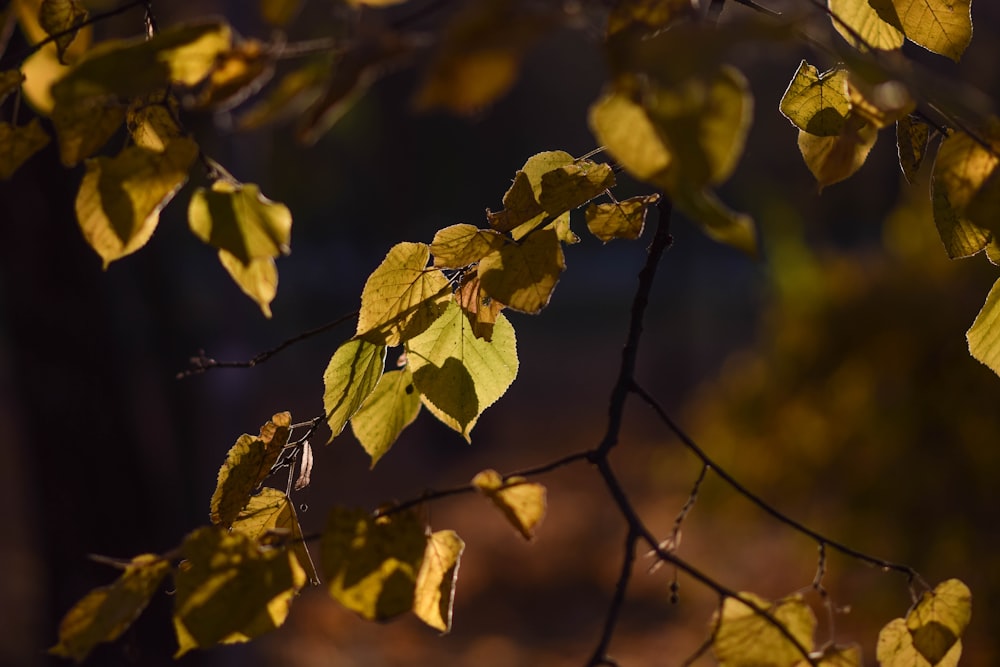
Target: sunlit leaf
x,y
961,167
621,125
895,648
238,74
105,613
746,638
941,26
58,16
569,187
247,464
293,93
84,128
524,275
874,21
984,335
939,619
120,198
10,80
651,14
351,376
458,374
833,159
619,220
390,408
402,296
519,206
434,594
271,513
882,103
279,12
237,218
816,102
230,589
18,143
911,144
481,309
460,245
371,565
520,501
258,279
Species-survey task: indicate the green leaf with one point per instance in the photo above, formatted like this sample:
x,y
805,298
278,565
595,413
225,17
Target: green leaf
x,y
84,128
458,374
371,565
746,638
105,613
619,220
248,463
279,12
402,296
434,595
229,589
816,102
460,245
650,14
258,279
571,186
911,144
961,167
270,517
390,408
57,16
521,502
874,21
351,376
941,26
523,275
118,205
18,143
238,219
833,159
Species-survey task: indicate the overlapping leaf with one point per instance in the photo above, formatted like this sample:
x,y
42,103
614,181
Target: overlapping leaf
x,y
744,637
961,168
270,517
522,211
237,218
434,595
911,144
568,187
58,17
84,128
521,502
10,81
835,158
816,102
524,275
351,376
460,245
930,635
389,409
873,21
941,26
619,220
481,309
18,143
880,103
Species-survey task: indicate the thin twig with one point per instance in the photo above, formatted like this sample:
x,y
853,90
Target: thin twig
x,y
94,18
600,655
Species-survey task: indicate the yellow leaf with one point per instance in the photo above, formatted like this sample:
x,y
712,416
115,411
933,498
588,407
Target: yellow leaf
x,y
524,275
718,221
230,589
237,75
882,103
817,103
82,129
279,12
833,159
371,565
460,245
874,21
29,14
390,408
520,501
434,594
911,144
895,649
622,126
119,202
480,309
402,296
10,80
151,125
571,186
459,375
961,167
237,218
941,26
651,14
745,638
519,206
58,16
939,619
268,513
837,656
351,376
293,93
619,220
247,464
105,613
258,279
18,143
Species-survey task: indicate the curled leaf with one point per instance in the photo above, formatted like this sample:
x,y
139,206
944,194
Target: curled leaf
x,y
520,501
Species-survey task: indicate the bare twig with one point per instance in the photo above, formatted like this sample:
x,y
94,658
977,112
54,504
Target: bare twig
x,y
600,655
94,18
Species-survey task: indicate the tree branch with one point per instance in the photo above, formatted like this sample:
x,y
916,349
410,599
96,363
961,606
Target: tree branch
x,y
121,9
600,655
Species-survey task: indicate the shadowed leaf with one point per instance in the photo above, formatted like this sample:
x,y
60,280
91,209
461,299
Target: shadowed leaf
x,y
834,159
571,186
524,275
279,12
18,143
237,75
961,167
293,93
271,514
911,144
390,408
258,279
351,376
237,218
816,102
10,80
84,128
896,648
521,502
745,638
58,16
434,595
479,308
874,21
460,245
619,220
941,26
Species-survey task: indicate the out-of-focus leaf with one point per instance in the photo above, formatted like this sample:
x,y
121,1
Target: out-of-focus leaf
x,y
390,408
524,275
650,14
941,26
271,513
247,464
911,144
717,220
229,589
569,187
459,375
874,21
293,93
58,16
237,218
105,613
279,12
375,3
402,296
520,501
961,167
816,102
84,128
151,125
460,245
118,205
621,124
939,619
18,143
371,565
833,159
838,656
619,220
238,74
519,206
10,80
896,648
258,279
434,595
882,103
481,309
744,637
350,378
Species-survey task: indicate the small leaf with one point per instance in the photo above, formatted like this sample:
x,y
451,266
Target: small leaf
x,y
874,21
621,124
619,220
248,463
305,466
58,16
911,144
434,595
105,613
390,408
744,637
833,159
651,14
18,143
817,103
569,187
895,648
269,512
459,375
961,167
460,245
351,376
520,501
371,565
717,221
258,279
402,297
238,74
524,275
479,307
279,12
83,129
941,26
238,219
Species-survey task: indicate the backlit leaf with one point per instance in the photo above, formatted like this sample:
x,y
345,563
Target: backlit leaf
x,y
258,279
390,408
651,14
151,125
519,206
939,619
229,589
58,16
984,335
105,613
271,513
237,74
460,245
247,464
569,187
371,565
874,21
479,307
621,125
717,220
895,648
82,129
619,220
293,93
816,102
434,595
18,143
351,376
520,501
882,103
941,26
458,374
746,638
238,219
833,159
279,12
402,296
10,80
911,144
961,167
120,198
524,275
